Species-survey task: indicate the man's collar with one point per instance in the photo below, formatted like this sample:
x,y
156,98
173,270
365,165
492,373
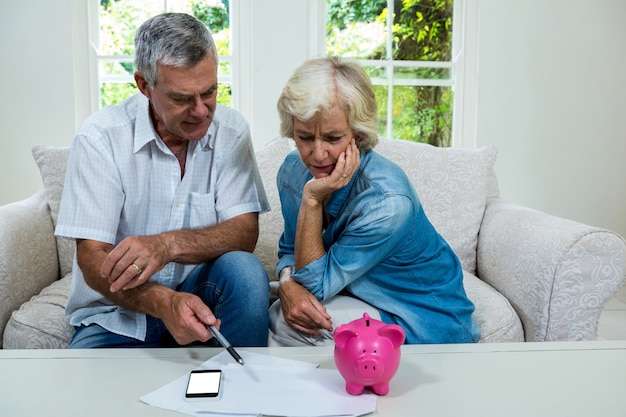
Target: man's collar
x,y
146,133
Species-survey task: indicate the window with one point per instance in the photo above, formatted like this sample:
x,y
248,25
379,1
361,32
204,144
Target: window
x,y
113,42
406,48
265,44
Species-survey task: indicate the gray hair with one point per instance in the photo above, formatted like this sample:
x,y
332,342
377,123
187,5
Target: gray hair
x,y
173,39
320,83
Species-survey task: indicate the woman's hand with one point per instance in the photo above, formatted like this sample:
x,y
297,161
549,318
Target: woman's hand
x,y
347,164
302,311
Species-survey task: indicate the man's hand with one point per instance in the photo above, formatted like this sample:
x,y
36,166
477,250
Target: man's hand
x,y
302,310
134,260
184,314
186,317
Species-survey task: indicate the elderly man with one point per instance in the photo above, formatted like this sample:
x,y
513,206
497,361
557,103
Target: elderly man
x,y
162,195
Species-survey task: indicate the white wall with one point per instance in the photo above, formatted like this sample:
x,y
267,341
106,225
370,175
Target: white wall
x,y
278,43
36,88
557,117
552,97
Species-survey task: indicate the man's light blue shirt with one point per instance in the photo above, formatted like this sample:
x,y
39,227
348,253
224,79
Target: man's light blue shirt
x,y
122,181
381,248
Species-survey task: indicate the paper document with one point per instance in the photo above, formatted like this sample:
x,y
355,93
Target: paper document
x,y
266,385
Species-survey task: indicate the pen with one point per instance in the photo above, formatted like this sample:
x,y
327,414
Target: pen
x,y
220,338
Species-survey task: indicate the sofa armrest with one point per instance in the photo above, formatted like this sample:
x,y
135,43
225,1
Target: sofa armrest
x,y
558,274
28,253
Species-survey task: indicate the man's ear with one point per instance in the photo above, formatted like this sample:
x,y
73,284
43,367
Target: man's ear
x,y
142,84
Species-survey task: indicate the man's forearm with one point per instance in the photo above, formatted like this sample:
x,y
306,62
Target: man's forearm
x,y
195,246
144,299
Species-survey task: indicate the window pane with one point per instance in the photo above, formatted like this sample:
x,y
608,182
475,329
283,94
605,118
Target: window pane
x,y
422,30
422,114
415,64
356,29
119,19
115,93
116,81
382,94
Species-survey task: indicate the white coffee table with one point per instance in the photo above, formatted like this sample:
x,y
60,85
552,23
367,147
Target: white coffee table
x,y
522,379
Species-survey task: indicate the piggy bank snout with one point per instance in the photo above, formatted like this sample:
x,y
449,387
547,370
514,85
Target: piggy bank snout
x,y
369,367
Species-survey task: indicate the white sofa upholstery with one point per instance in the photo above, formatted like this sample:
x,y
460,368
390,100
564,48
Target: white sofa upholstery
x,y
532,276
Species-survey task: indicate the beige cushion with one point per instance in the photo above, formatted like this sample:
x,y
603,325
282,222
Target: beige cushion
x,y
40,323
453,185
269,158
495,316
52,163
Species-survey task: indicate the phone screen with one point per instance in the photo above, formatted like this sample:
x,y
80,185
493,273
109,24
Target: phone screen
x,y
204,383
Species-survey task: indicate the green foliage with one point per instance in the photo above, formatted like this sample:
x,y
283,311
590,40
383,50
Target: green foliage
x,y
340,12
422,31
216,18
115,93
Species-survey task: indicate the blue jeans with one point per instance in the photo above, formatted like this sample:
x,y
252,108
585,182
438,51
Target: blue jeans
x,y
236,288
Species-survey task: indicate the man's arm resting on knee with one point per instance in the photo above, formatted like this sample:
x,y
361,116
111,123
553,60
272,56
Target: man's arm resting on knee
x,y
184,314
194,246
135,259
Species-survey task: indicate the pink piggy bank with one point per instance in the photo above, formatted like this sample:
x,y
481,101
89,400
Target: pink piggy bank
x,y
367,354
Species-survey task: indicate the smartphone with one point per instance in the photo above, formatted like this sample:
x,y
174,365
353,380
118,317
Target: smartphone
x,y
204,383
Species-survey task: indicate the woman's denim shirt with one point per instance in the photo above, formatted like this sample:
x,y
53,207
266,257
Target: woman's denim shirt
x,y
381,249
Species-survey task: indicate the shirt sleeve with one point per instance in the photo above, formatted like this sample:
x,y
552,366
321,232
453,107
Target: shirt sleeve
x,y
239,187
370,237
92,194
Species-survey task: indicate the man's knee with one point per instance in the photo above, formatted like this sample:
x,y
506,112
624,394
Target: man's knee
x,y
94,336
244,270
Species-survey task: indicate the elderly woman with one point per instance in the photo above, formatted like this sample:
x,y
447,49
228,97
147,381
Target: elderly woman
x,y
356,238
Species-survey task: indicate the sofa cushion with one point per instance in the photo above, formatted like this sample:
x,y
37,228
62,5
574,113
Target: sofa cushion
x,y
269,158
496,318
40,323
52,163
453,185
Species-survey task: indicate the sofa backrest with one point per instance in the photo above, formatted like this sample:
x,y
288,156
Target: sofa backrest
x,y
453,185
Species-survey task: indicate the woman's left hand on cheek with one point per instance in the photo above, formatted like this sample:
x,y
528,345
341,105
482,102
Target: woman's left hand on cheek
x,y
347,164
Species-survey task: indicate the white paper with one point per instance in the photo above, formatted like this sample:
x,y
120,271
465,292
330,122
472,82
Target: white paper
x,y
266,385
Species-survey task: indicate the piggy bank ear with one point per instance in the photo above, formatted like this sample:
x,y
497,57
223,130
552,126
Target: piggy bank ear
x,y
344,333
394,333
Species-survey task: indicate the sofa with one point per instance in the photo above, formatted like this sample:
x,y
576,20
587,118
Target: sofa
x,y
532,276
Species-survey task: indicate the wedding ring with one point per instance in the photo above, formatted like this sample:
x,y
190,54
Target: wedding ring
x,y
137,268
344,176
